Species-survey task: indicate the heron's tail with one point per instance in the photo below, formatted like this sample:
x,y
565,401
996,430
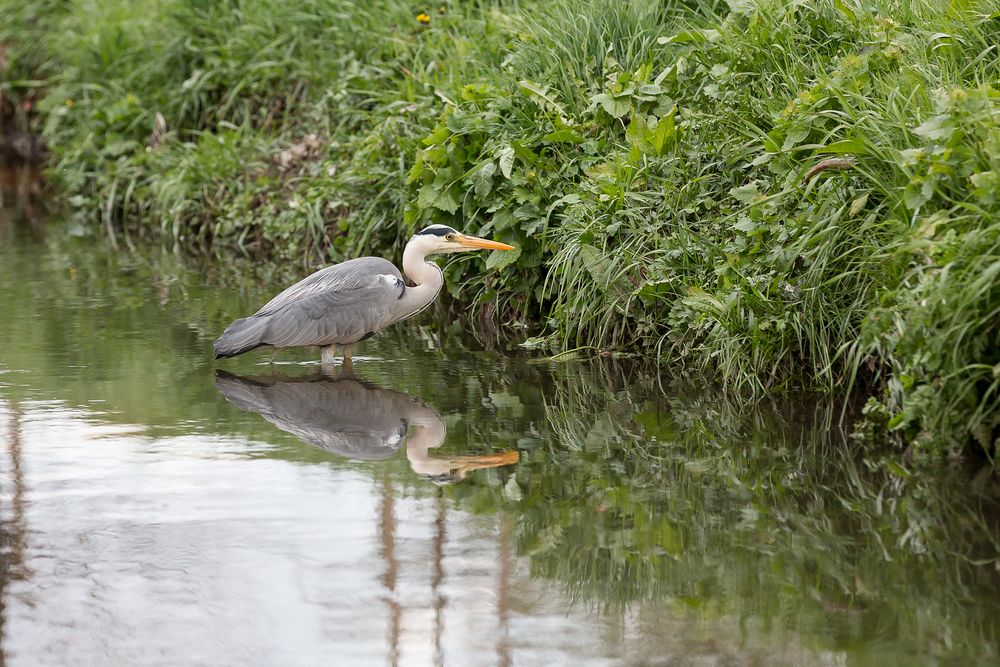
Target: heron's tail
x,y
241,336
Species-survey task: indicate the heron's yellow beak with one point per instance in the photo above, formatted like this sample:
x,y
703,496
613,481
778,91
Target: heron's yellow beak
x,y
465,464
476,242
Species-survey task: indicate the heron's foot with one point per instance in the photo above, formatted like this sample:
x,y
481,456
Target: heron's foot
x,y
348,362
329,355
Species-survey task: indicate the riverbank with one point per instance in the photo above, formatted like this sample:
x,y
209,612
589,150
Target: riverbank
x,y
779,196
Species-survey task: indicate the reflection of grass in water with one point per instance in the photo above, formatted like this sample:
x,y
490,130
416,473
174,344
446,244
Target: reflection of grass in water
x,y
766,517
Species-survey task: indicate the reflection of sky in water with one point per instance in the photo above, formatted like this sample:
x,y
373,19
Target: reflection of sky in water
x,y
154,551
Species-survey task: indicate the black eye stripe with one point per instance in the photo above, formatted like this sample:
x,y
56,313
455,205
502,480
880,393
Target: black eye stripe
x,y
436,230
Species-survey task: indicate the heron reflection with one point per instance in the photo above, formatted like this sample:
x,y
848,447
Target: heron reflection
x,y
354,418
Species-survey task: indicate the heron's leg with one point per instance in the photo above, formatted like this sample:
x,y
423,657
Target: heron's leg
x,y
348,364
273,355
329,355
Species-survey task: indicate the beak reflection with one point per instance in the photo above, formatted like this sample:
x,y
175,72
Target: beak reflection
x,y
355,419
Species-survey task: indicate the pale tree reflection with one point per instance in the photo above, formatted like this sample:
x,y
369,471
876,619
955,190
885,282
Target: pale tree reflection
x,y
440,537
506,557
387,537
12,521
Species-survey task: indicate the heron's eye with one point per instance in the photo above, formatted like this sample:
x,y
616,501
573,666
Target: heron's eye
x,y
449,237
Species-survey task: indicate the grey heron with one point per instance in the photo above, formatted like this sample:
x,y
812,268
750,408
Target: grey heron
x,y
355,419
352,301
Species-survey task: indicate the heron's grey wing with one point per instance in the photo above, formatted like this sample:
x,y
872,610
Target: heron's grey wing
x,y
339,305
333,317
343,417
344,276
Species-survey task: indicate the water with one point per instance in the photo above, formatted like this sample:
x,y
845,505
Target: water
x,y
443,506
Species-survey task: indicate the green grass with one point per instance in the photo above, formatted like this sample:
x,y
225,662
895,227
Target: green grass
x,y
651,161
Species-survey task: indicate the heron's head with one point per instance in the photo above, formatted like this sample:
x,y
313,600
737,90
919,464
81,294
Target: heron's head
x,y
438,239
450,469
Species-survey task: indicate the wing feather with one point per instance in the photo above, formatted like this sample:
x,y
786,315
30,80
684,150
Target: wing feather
x,y
337,305
347,275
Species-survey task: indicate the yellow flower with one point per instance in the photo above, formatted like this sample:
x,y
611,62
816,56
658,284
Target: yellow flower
x,y
423,19
69,102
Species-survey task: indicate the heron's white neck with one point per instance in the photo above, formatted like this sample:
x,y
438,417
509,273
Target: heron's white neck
x,y
426,277
415,264
428,432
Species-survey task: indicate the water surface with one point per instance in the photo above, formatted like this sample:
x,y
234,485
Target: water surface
x,y
443,505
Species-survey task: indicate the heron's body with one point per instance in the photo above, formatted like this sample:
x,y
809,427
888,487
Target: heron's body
x,y
349,302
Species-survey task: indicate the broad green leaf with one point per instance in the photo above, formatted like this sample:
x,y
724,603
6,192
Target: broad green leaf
x,y
416,170
911,156
459,123
649,133
671,71
986,186
702,301
936,128
794,137
637,130
567,199
918,192
500,259
511,491
745,224
744,7
655,291
897,469
482,178
506,158
615,106
438,135
120,147
771,144
563,136
664,132
541,96
435,196
503,220
745,194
